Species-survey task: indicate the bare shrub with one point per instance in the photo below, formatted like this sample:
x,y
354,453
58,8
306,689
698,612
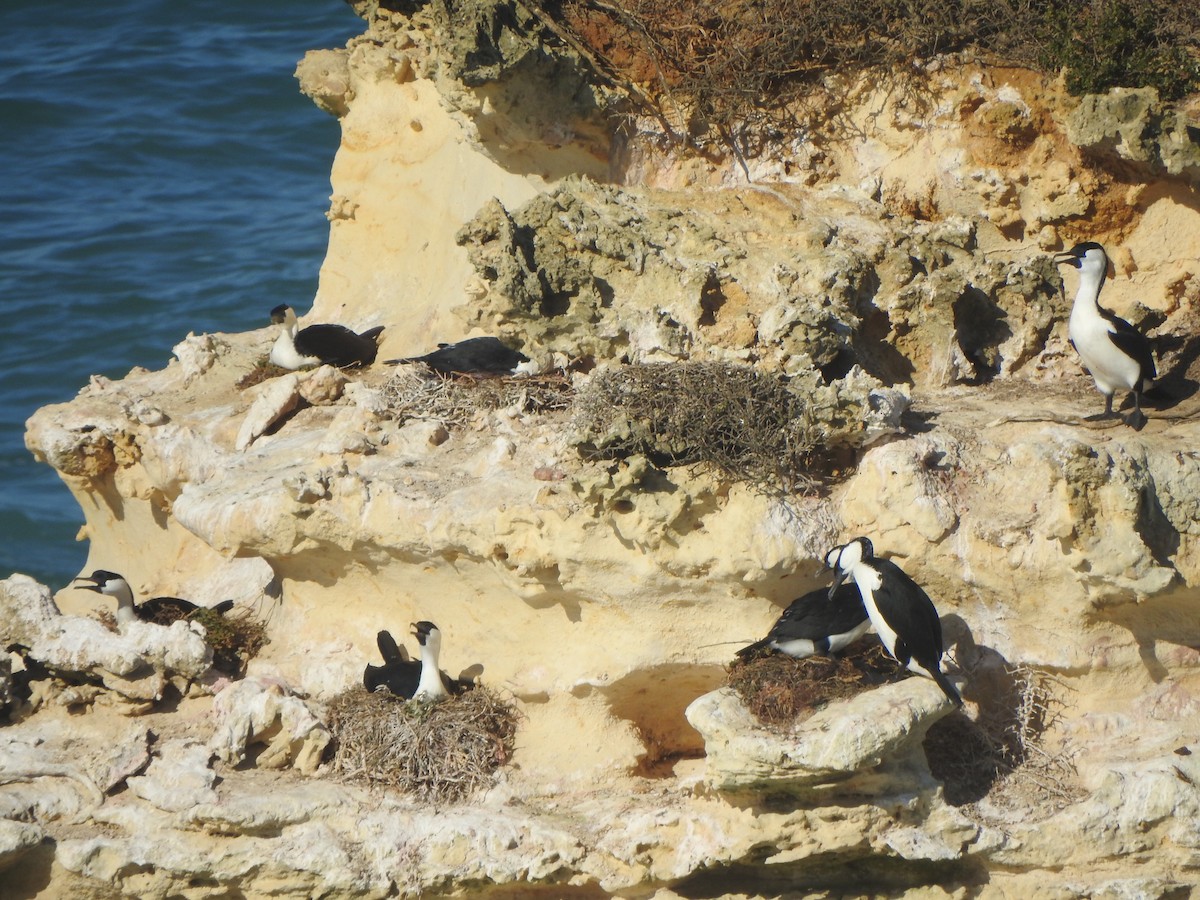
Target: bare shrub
x,y
1003,755
440,752
745,64
746,423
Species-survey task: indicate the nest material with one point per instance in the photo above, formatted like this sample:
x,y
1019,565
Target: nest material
x,y
781,690
414,393
235,637
263,370
1004,754
439,752
746,423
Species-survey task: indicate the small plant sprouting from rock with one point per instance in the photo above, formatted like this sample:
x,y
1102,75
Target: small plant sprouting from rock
x,y
441,752
747,424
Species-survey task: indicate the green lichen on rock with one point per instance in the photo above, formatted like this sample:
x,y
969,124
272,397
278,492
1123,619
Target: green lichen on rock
x,y
1135,125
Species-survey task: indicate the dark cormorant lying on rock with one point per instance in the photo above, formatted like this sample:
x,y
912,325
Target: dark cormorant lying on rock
x,y
814,625
474,356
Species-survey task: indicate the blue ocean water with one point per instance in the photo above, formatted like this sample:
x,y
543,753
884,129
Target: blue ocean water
x,y
159,173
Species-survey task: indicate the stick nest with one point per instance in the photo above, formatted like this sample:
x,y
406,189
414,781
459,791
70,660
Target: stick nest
x,y
781,690
456,400
746,423
263,370
439,752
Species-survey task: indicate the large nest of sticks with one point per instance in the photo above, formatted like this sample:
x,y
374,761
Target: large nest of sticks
x,y
746,423
415,393
439,752
781,690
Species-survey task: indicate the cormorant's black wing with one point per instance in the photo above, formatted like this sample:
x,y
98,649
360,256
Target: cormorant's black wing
x,y
336,345
388,648
164,610
906,607
1133,343
815,616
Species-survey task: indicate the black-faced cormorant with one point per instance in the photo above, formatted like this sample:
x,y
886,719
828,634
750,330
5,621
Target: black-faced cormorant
x,y
1118,356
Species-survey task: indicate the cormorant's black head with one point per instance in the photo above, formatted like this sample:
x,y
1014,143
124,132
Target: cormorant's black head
x,y
279,314
422,631
1088,250
100,579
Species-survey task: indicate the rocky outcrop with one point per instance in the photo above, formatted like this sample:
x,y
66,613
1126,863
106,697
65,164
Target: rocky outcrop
x,y
869,745
898,282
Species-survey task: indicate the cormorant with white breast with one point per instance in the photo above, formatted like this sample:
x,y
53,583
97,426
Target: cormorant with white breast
x,y
814,626
159,610
408,678
431,686
1117,355
474,356
334,345
903,615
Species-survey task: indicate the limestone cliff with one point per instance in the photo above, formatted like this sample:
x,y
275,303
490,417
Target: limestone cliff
x,y
896,272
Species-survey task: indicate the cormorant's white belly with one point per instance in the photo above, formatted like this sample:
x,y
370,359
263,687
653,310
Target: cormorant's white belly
x,y
801,648
284,355
868,581
838,641
1111,368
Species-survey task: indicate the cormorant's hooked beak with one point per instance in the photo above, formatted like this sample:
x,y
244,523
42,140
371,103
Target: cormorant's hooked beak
x,y
92,584
1066,258
837,582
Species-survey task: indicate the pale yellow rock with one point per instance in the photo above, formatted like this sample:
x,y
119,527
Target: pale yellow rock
x,y
607,598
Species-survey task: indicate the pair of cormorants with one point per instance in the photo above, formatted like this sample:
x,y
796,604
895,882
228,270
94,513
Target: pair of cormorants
x,y
336,345
867,591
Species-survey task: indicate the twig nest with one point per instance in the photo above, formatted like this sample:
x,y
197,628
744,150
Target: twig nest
x,y
440,752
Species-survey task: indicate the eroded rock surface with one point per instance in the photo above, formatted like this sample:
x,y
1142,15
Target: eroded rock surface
x,y
900,281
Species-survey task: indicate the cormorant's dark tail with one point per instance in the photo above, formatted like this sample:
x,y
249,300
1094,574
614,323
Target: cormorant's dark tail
x,y
373,333
223,607
947,687
373,677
